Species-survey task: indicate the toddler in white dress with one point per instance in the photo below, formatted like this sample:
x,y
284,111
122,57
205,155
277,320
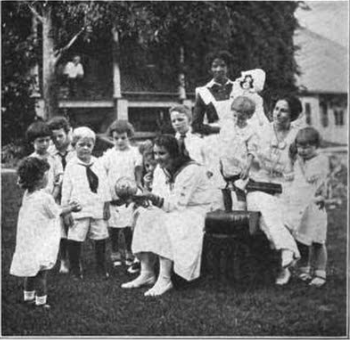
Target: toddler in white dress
x,y
305,213
38,231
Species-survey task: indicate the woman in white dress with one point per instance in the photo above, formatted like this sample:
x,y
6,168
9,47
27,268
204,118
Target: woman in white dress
x,y
273,164
172,229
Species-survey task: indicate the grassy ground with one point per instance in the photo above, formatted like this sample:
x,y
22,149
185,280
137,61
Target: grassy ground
x,y
208,307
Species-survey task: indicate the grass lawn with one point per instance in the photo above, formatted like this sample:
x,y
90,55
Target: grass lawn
x,y
208,307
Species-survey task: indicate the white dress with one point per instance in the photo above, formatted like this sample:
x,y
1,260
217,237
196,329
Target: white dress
x,y
120,164
270,166
307,221
176,230
38,235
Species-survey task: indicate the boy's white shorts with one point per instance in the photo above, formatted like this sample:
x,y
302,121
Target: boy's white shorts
x,y
97,229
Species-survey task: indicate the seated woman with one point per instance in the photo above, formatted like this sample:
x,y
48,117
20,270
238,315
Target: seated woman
x,y
172,229
273,165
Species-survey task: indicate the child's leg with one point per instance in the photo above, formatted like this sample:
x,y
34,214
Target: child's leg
x,y
41,292
128,240
74,250
100,254
304,261
29,289
116,255
241,199
319,253
64,256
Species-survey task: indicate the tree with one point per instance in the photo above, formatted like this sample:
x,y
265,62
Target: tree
x,y
18,56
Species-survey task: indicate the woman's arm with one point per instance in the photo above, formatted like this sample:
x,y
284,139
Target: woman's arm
x,y
199,111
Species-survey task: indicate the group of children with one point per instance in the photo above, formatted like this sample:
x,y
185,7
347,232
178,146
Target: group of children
x,y
66,184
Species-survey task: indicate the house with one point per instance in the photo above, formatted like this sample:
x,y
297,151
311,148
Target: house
x,y
324,84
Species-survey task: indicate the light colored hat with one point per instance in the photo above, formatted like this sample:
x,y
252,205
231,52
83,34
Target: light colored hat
x,y
258,76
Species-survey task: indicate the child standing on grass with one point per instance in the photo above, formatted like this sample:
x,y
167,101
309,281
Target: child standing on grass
x,y
239,145
39,135
123,160
63,151
38,231
85,180
306,215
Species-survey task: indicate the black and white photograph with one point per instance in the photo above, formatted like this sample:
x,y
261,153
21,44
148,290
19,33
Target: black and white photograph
x,y
174,169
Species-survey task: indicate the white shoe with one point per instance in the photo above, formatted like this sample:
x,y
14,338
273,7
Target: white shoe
x,y
283,277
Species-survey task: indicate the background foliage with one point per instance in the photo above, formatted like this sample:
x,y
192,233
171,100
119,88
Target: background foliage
x,y
259,34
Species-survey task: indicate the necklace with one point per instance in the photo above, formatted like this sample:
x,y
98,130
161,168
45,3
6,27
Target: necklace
x,y
281,144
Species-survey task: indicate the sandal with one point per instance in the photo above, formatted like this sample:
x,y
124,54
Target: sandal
x,y
304,276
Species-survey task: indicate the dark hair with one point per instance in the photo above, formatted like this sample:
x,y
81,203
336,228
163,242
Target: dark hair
x,y
308,135
245,105
59,122
171,144
245,79
294,104
30,171
36,130
224,55
121,126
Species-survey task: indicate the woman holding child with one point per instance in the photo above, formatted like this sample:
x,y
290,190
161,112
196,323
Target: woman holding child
x,y
172,229
273,164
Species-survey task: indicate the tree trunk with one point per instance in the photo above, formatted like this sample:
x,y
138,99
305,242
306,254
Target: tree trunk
x,y
50,88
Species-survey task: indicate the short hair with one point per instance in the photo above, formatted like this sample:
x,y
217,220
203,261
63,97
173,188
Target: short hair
x,y
59,122
308,135
83,132
36,130
224,55
294,104
31,170
243,104
121,126
182,109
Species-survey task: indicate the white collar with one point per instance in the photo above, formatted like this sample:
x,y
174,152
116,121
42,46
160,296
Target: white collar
x,y
213,82
188,133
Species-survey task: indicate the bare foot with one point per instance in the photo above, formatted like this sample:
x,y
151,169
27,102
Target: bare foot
x,y
141,280
160,288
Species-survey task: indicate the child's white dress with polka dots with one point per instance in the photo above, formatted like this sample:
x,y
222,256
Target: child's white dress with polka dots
x,y
38,235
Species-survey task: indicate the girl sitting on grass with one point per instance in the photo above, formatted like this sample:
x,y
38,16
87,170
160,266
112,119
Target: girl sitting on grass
x,y
38,231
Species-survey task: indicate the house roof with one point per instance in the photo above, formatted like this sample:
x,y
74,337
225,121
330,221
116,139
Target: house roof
x,y
323,63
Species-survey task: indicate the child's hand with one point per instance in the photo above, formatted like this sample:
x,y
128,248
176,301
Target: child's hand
x,y
68,220
106,212
148,177
75,206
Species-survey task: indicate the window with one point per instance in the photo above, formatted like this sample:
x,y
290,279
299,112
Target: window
x,y
324,115
339,117
308,113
